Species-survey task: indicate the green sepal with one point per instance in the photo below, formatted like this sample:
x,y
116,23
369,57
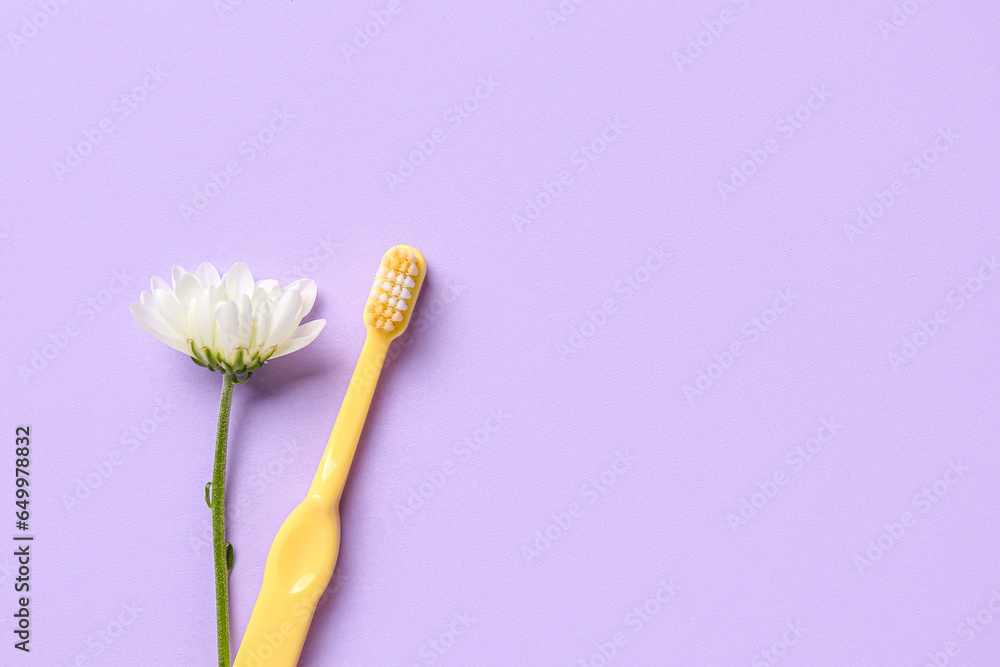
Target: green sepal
x,y
196,355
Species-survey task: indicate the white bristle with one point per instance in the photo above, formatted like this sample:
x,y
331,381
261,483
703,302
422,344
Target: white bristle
x,y
394,284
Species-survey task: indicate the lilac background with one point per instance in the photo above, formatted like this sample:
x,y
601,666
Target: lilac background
x,y
502,297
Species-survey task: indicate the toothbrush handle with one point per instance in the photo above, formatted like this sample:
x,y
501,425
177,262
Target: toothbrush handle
x,y
298,568
304,552
331,476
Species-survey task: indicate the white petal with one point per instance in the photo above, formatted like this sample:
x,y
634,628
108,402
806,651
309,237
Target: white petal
x,y
227,328
269,290
175,273
239,281
285,318
194,322
150,320
245,320
187,287
302,336
259,297
308,330
172,312
206,318
158,283
207,274
261,323
306,287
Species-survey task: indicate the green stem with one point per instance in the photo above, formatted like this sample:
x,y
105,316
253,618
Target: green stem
x,y
219,521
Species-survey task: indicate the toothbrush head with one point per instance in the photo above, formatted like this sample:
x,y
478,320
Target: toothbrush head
x,y
394,293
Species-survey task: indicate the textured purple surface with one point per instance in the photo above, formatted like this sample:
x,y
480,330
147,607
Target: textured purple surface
x,y
698,212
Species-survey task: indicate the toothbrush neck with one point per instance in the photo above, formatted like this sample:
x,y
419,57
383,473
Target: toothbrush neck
x,y
332,473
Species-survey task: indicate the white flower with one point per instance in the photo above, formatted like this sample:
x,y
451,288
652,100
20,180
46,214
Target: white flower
x,y
228,323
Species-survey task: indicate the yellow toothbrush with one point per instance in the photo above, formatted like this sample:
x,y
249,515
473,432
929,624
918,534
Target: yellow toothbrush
x,y
300,562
